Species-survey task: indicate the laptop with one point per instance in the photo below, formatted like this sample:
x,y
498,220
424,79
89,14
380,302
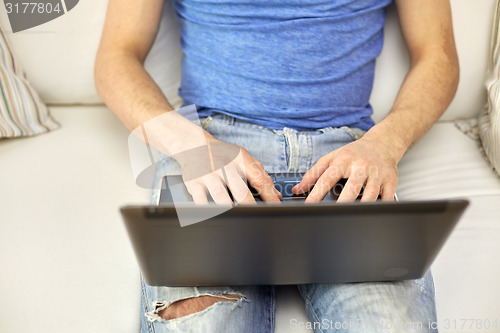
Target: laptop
x,y
287,243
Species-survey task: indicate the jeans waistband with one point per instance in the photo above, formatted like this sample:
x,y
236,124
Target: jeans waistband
x,y
229,120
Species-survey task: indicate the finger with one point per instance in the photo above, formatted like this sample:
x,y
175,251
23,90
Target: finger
x,y
278,193
198,192
389,190
352,188
311,177
218,191
262,182
324,184
238,187
241,170
372,190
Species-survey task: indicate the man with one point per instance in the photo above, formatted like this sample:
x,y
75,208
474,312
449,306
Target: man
x,y
287,82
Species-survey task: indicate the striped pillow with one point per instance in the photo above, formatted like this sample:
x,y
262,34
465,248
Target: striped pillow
x,y
489,120
22,113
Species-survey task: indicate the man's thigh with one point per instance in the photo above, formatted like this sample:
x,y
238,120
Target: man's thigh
x,y
401,306
237,309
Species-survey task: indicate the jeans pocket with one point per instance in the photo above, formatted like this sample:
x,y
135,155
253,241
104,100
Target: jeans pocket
x,y
355,133
341,134
205,122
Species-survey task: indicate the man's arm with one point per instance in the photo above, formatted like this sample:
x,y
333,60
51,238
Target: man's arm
x,y
121,80
426,92
125,86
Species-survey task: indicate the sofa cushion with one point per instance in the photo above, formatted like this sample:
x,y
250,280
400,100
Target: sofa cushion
x,y
447,164
63,247
65,48
22,113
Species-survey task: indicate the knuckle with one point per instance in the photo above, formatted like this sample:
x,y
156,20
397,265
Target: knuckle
x,y
258,164
391,179
335,171
218,191
323,159
371,191
344,155
363,163
352,191
254,167
260,179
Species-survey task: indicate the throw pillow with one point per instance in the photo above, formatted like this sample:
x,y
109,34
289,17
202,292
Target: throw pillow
x,y
22,113
489,119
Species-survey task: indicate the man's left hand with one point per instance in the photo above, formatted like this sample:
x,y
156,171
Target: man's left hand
x,y
365,162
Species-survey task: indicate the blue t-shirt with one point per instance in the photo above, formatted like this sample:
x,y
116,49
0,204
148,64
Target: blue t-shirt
x,y
303,64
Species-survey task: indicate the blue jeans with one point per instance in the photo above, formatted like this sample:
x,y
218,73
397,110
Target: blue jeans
x,y
403,306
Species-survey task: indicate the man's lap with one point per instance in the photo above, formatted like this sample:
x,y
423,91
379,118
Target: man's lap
x,y
329,305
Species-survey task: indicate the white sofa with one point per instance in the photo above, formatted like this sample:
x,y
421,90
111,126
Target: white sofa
x,y
66,264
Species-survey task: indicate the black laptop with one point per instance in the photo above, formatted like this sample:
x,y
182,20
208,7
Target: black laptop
x,y
178,243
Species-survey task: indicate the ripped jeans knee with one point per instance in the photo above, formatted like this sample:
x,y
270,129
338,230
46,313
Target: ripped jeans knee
x,y
189,307
249,309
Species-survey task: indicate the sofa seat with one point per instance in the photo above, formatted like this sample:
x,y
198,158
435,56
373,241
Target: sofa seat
x,y
67,264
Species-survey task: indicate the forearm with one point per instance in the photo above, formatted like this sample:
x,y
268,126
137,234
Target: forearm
x,y
425,94
128,90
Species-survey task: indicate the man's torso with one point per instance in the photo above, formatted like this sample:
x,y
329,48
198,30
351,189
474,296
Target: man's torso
x,y
289,63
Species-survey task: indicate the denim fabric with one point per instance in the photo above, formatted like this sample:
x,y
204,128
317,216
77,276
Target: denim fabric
x,y
254,312
348,307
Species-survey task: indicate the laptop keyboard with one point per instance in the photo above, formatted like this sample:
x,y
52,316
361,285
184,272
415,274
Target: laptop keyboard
x,y
284,185
285,182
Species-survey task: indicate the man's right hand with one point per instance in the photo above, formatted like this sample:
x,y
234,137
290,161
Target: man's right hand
x,y
208,165
219,168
